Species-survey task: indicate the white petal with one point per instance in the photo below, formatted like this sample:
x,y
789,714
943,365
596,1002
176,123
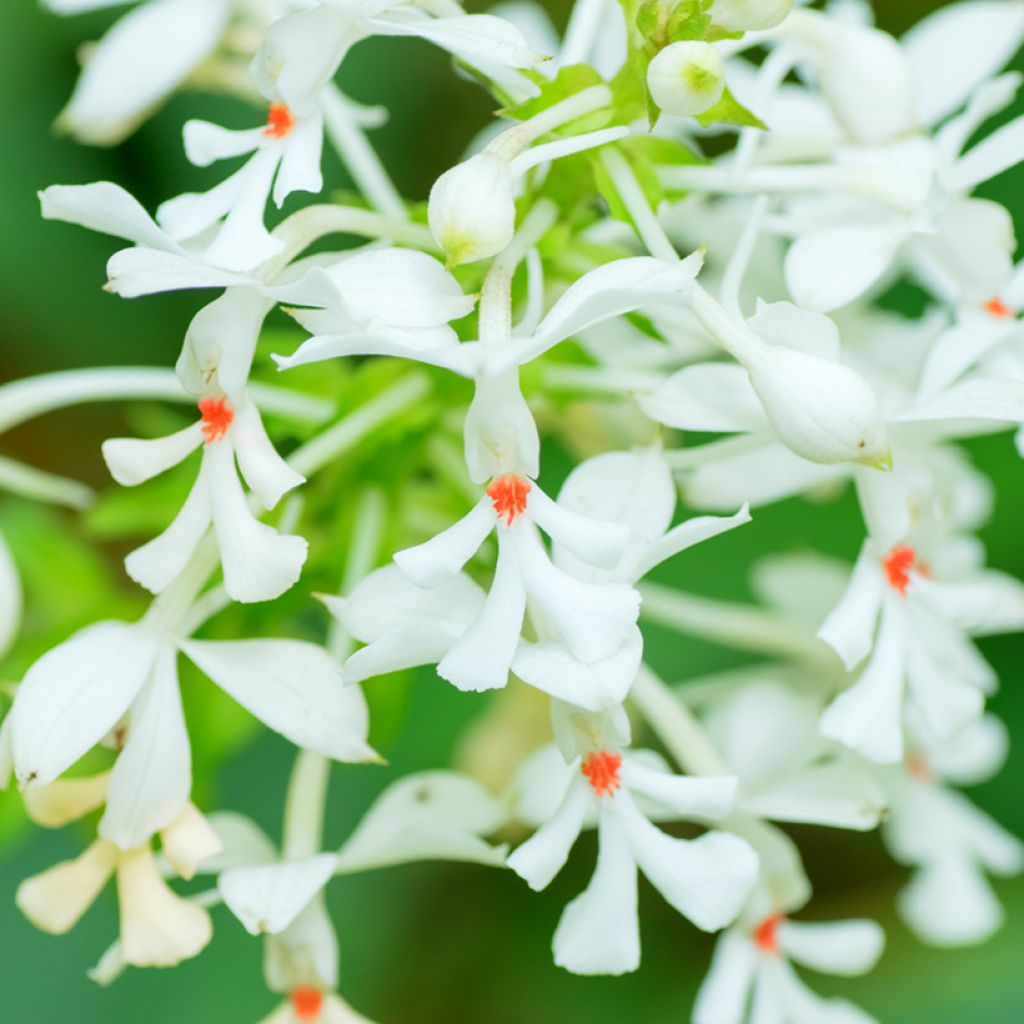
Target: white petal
x,y
599,931
433,348
152,776
132,461
138,63
802,1006
946,701
689,797
597,542
55,899
190,841
160,560
958,348
426,816
706,397
443,556
614,289
144,271
850,627
300,162
594,619
158,928
266,898
841,795
10,598
996,153
294,688
948,902
476,38
259,563
206,143
984,399
975,755
837,947
264,470
725,991
105,207
782,323
481,658
831,267
549,666
544,854
399,287
242,842
707,879
74,695
686,535
945,70
868,717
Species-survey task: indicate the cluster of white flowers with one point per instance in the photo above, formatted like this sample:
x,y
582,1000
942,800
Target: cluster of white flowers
x,y
851,169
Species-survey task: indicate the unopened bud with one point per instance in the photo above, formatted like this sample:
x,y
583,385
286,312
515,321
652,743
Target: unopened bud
x,y
687,78
750,15
472,211
823,410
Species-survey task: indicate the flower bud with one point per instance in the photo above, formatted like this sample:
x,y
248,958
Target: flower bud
x,y
824,411
472,211
687,78
750,15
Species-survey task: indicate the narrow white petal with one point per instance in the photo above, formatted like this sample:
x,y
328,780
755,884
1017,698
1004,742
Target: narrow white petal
x,y
300,162
189,841
144,271
266,898
690,797
725,991
948,902
10,598
158,928
443,556
707,879
206,143
850,627
105,207
264,470
597,542
686,535
152,776
837,947
74,695
427,816
132,461
599,931
544,854
294,688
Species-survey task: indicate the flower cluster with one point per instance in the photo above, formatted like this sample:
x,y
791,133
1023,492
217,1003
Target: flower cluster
x,y
588,246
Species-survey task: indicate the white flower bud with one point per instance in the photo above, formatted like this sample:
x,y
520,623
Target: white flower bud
x,y
472,211
750,15
823,410
687,78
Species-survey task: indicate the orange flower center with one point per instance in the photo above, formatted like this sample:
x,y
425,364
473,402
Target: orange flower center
x,y
509,496
601,768
897,565
280,121
217,416
996,307
307,1003
766,934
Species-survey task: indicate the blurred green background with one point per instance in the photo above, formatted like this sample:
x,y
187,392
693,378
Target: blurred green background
x,y
430,943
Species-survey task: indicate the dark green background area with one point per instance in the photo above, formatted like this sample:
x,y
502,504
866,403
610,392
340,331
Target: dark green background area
x,y
428,944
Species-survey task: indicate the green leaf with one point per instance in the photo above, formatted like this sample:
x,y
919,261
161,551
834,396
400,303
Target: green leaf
x,y
728,110
569,81
646,176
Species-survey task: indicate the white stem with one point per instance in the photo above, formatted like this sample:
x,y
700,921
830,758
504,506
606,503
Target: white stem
x,y
358,156
304,806
564,147
509,144
646,223
39,486
735,271
731,332
670,719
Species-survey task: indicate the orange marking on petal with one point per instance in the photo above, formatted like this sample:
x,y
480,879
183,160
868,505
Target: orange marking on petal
x,y
509,496
217,416
996,307
307,1003
918,768
766,934
602,771
897,565
280,121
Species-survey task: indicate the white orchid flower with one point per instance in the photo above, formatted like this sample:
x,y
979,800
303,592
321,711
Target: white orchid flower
x,y
121,679
229,217
752,977
949,842
907,617
707,879
158,928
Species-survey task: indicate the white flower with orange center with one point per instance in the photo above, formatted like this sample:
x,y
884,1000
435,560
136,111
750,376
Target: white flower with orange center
x,y
621,792
752,977
906,620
